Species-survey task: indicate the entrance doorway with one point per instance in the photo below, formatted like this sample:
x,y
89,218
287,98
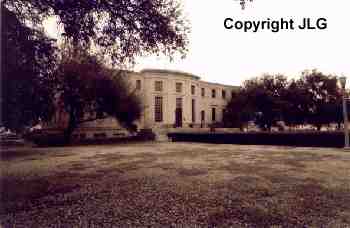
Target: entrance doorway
x,y
202,118
178,113
178,117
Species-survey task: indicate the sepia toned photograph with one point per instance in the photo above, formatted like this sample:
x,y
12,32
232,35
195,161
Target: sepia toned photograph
x,y
175,113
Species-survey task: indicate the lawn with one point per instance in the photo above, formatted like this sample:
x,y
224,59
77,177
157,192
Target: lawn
x,y
175,184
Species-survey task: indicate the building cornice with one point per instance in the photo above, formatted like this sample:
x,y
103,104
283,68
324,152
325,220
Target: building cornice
x,y
174,72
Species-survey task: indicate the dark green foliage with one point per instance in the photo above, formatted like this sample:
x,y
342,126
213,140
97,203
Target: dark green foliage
x,y
117,30
314,99
322,98
259,99
238,111
91,91
27,61
120,30
310,139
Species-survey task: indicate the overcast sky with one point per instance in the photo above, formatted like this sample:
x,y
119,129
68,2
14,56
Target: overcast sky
x,y
231,56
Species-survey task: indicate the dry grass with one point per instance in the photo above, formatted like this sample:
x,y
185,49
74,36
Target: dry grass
x,y
184,184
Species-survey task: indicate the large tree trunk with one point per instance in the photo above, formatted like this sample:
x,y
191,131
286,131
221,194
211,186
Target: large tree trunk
x,y
72,124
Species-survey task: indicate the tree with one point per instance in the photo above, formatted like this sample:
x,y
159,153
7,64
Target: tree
x,y
265,94
238,111
296,100
27,60
259,99
322,97
314,98
90,91
118,29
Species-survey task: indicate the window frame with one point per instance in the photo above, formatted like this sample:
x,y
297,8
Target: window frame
x,y
158,86
138,84
158,109
193,90
213,114
178,87
213,93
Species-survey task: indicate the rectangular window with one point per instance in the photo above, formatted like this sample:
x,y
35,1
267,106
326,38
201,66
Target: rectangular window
x,y
213,93
138,84
158,109
202,116
223,94
193,110
178,87
193,90
179,102
158,86
203,92
213,114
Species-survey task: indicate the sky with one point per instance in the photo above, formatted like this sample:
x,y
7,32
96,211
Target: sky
x,y
232,56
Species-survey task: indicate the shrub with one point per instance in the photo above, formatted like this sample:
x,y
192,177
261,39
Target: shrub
x,y
307,139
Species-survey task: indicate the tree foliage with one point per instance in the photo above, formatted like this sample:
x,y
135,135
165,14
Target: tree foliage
x,y
322,97
314,98
259,99
238,111
90,91
27,60
116,30
120,30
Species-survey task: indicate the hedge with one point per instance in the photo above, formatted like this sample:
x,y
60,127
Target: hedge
x,y
56,138
306,139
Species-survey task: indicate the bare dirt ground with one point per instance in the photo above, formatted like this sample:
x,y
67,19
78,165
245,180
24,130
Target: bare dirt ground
x,y
175,184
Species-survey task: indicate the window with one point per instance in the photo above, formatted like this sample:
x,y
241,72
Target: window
x,y
193,110
178,87
213,93
203,92
202,116
179,102
193,90
158,86
158,109
138,84
213,114
223,94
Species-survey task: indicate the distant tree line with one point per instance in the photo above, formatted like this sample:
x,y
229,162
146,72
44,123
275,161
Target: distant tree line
x,y
315,99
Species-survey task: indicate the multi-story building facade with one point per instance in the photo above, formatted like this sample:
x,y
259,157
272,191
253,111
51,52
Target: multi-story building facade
x,y
178,99
170,99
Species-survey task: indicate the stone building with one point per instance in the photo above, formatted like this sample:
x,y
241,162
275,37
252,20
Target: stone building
x,y
170,99
178,99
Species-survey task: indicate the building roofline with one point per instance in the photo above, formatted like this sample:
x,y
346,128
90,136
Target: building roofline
x,y
220,84
162,71
180,73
